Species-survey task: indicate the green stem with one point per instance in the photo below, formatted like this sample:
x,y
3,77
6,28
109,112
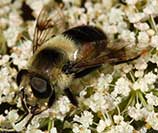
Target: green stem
x,y
155,92
143,101
152,22
132,77
49,124
131,99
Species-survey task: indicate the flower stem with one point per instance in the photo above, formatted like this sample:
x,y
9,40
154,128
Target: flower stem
x,y
153,25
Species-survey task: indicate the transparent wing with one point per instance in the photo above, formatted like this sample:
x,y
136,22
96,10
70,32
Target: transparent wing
x,y
113,55
49,23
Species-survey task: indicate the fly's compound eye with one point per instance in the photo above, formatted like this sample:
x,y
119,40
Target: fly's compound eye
x,y
40,87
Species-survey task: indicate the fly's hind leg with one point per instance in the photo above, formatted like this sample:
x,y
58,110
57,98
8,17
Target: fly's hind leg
x,y
71,97
51,99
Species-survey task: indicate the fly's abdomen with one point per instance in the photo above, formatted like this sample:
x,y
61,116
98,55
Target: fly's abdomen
x,y
82,34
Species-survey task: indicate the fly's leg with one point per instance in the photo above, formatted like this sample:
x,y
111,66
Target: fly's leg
x,y
71,97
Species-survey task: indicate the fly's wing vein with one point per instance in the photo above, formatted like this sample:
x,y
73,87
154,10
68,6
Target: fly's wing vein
x,y
49,23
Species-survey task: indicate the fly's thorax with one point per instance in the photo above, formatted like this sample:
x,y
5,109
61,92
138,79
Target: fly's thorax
x,y
54,53
60,79
62,42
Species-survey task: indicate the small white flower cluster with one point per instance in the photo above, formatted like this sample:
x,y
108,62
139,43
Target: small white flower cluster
x,y
85,120
123,127
152,119
103,124
99,102
114,95
122,87
8,87
61,107
20,57
152,99
103,82
138,112
145,83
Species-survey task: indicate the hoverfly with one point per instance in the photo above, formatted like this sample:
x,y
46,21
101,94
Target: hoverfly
x,y
59,57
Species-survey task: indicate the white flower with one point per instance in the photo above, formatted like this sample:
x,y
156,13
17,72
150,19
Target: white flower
x,y
14,19
136,17
53,130
123,127
80,129
139,73
111,29
61,107
137,113
131,2
64,105
152,99
117,100
13,116
151,32
140,84
141,64
85,119
76,128
121,26
118,119
151,7
122,87
154,41
141,26
36,5
31,27
127,67
103,82
12,34
4,10
150,78
103,124
143,83
4,60
143,39
20,56
3,23
128,36
5,80
18,61
99,102
3,2
115,13
107,4
152,120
